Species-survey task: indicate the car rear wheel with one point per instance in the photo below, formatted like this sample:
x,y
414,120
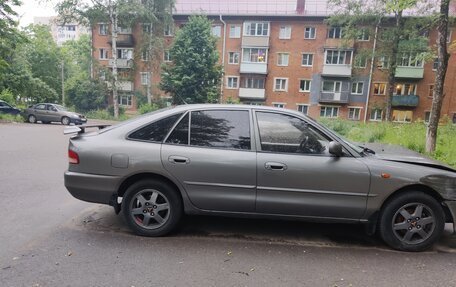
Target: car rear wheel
x,y
152,208
65,121
412,221
31,119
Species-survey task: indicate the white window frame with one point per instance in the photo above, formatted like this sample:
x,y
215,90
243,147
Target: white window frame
x,y
285,32
425,112
356,86
358,61
126,53
403,92
382,60
410,61
146,27
236,32
279,105
250,53
281,88
402,120
254,83
380,83
101,55
310,33
280,59
168,30
298,106
348,53
232,58
334,86
354,109
167,56
332,112
100,30
335,31
362,36
145,78
309,56
216,30
230,81
248,25
145,56
435,64
122,30
308,85
129,100
374,112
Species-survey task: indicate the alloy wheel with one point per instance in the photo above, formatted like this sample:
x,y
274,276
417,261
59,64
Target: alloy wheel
x,y
150,209
413,223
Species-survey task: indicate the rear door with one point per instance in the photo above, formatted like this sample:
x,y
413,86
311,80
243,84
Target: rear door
x,y
40,112
210,153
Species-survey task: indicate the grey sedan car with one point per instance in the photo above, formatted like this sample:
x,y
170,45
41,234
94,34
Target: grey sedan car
x,y
239,160
47,113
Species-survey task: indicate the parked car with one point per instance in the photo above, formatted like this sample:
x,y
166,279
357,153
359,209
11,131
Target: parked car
x,y
6,108
47,113
255,161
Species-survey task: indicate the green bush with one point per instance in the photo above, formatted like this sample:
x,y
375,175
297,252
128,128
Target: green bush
x,y
146,108
105,115
7,118
7,96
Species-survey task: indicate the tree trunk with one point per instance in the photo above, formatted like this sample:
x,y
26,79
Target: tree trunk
x,y
113,20
393,65
443,56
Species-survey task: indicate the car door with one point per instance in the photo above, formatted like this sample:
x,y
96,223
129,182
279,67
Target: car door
x,y
297,175
210,153
40,112
52,114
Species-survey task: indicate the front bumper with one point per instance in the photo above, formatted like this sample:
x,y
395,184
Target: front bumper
x,y
91,187
78,121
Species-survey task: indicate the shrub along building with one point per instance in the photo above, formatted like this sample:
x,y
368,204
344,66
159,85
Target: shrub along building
x,y
282,53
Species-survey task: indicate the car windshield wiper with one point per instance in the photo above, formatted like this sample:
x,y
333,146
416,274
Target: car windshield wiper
x,y
367,150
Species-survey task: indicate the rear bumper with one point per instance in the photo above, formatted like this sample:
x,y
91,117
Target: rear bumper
x,y
91,187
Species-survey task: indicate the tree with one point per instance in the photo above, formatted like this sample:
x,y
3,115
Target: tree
x,y
9,35
398,35
194,75
443,57
86,94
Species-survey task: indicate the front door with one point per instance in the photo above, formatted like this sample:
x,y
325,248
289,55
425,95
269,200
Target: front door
x,y
297,175
210,153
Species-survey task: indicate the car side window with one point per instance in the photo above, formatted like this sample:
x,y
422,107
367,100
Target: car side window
x,y
51,108
155,131
288,134
40,107
180,133
220,129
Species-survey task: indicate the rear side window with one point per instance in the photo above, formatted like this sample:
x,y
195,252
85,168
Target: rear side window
x,y
180,133
155,131
40,107
220,129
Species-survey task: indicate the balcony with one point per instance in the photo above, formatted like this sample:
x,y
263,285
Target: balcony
x,y
254,68
410,72
255,41
121,63
330,70
124,40
252,94
405,101
339,43
126,86
334,98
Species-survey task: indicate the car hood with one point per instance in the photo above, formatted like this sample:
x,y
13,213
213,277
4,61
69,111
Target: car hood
x,y
400,154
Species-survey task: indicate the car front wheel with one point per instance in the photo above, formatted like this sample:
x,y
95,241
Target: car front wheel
x,y
412,221
65,121
31,119
152,208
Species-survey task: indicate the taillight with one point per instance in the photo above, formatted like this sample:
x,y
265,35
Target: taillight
x,y
73,157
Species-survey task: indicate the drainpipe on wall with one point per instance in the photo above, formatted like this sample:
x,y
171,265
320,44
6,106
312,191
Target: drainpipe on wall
x,y
223,58
371,72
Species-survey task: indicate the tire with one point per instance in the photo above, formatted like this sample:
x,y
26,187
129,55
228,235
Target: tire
x,y
31,119
411,221
66,121
152,208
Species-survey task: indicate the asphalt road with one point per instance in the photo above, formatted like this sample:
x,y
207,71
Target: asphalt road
x,y
48,238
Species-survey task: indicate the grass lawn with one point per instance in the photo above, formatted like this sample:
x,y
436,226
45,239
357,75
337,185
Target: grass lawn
x,y
410,135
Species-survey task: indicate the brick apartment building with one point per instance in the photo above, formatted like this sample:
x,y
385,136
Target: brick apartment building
x,y
282,53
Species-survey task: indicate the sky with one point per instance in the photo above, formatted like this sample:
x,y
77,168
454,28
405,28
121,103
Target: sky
x,y
34,8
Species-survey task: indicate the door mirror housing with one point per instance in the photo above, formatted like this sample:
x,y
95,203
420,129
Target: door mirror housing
x,y
335,148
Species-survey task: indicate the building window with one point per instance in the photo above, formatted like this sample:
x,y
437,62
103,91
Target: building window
x,y
126,54
281,84
402,116
146,27
103,29
354,113
379,88
235,31
376,115
309,33
233,57
435,64
254,55
427,116
431,91
332,86
282,59
307,60
383,62
285,32
335,33
145,78
329,112
338,57
406,89
217,31
124,100
145,56
254,83
103,54
410,60
304,85
279,105
357,88
168,30
232,82
124,30
302,108
360,62
363,35
256,29
167,56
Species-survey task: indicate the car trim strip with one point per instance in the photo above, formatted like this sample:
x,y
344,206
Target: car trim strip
x,y
316,191
219,184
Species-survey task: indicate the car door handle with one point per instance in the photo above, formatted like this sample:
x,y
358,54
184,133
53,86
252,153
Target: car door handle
x,y
275,166
179,159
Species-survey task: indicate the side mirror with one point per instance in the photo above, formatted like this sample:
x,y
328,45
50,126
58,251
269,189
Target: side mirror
x,y
335,148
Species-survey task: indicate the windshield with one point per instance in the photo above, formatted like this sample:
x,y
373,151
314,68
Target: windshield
x,y
61,108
